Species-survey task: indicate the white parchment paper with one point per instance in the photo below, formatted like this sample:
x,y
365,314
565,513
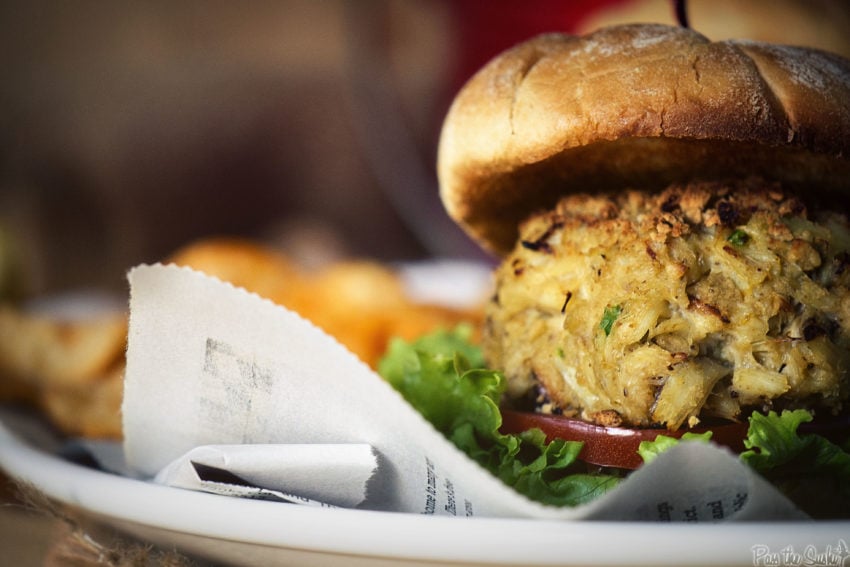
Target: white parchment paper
x,y
283,472
212,365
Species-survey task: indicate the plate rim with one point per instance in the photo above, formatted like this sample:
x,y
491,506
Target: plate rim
x,y
127,500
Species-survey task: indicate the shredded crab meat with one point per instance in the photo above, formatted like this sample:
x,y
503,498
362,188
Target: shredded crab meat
x,y
701,301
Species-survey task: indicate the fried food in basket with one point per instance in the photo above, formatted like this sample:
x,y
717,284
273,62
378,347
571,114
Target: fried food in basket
x,y
92,411
46,349
244,264
363,304
72,369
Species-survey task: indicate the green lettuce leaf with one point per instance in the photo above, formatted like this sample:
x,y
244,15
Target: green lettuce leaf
x,y
648,450
774,446
810,469
442,376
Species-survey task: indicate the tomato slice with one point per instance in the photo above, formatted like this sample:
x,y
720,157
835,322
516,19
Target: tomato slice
x,y
617,446
612,446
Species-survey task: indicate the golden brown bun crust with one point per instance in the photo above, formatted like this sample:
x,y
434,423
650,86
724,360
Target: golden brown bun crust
x,y
637,106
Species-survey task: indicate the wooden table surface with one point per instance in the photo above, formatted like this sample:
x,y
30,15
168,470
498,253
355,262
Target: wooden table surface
x,y
34,534
25,535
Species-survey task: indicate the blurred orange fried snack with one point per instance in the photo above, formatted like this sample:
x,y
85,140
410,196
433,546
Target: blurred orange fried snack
x,y
73,369
363,304
64,366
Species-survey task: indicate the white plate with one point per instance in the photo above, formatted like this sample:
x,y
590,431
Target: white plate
x,y
248,532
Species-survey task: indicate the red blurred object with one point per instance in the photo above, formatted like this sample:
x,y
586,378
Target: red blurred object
x,y
488,27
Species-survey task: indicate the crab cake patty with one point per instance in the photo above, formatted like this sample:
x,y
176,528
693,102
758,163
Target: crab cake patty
x,y
706,300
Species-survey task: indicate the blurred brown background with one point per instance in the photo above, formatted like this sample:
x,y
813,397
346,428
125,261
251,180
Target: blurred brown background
x,y
128,129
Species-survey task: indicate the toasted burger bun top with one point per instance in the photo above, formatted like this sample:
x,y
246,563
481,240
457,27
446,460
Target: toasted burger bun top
x,y
639,106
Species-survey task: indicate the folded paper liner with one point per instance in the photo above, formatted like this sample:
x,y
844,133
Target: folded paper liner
x,y
222,381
